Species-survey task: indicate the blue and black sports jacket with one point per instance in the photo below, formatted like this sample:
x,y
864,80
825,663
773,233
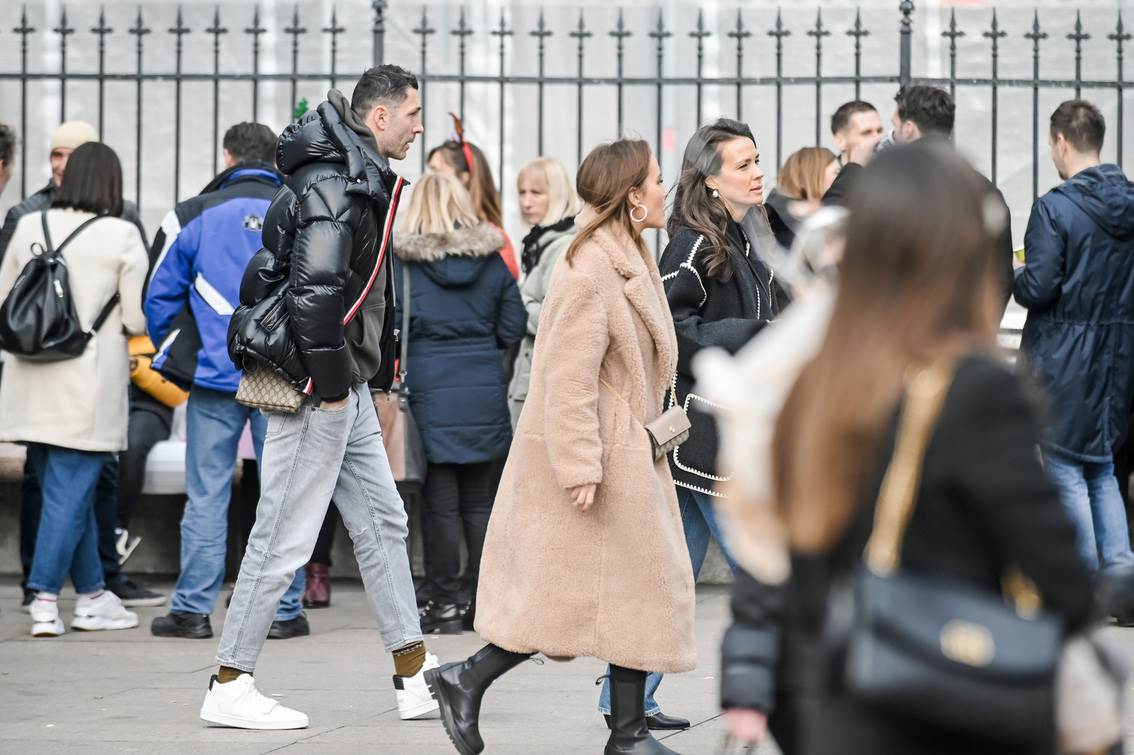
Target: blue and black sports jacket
x,y
201,251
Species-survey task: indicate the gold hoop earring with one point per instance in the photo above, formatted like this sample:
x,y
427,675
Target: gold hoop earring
x,y
645,211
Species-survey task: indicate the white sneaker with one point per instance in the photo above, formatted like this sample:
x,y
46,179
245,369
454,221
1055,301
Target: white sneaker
x,y
415,698
104,612
239,704
45,618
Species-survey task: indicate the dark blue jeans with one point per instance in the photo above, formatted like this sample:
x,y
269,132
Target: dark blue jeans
x,y
67,539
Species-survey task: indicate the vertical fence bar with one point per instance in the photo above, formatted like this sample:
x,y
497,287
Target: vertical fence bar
x,y
906,8
334,30
423,31
24,30
139,31
659,35
101,30
858,33
294,30
541,34
180,30
1078,37
952,33
700,35
779,32
620,34
64,31
1119,37
379,32
580,34
995,34
1035,35
739,34
502,33
216,30
460,33
256,30
818,32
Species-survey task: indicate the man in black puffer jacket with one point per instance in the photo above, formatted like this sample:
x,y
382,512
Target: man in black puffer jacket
x,y
317,307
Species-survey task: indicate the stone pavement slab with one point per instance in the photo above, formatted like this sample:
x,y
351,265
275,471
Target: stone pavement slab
x,y
129,692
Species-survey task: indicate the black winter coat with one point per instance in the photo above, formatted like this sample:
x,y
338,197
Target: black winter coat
x,y
1078,287
710,312
465,312
984,505
326,238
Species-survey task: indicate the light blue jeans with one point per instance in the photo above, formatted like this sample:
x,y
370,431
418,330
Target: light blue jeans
x,y
1089,492
214,423
700,525
309,457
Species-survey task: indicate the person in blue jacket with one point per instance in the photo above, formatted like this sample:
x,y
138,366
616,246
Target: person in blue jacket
x,y
202,249
465,312
1078,287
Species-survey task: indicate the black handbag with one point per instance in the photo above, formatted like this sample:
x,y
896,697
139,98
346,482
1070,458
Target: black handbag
x,y
38,322
938,651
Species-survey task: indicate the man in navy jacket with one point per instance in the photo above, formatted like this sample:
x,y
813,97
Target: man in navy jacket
x,y
1078,287
202,249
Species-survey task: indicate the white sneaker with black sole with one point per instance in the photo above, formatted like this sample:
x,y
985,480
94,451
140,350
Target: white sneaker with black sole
x,y
415,698
102,613
240,705
45,618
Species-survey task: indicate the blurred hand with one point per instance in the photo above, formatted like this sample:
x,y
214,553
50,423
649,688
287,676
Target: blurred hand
x,y
748,726
332,406
863,152
583,497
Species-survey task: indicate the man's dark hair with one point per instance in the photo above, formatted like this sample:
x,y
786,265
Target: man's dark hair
x,y
932,109
7,144
92,181
1081,124
842,116
251,143
385,82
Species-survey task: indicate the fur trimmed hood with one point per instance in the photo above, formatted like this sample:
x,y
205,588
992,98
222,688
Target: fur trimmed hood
x,y
479,241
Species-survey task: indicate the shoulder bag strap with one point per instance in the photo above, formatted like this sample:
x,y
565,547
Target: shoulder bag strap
x,y
51,248
404,336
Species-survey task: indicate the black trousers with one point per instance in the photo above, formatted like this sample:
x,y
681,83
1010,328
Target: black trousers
x,y
457,501
322,553
146,430
106,513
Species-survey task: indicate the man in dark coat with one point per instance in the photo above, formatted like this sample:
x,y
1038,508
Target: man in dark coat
x,y
1078,287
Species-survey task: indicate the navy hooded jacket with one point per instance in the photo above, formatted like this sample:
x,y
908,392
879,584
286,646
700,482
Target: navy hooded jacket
x,y
202,249
1078,287
465,313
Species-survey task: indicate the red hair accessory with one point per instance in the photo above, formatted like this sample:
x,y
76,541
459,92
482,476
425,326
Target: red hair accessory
x,y
459,131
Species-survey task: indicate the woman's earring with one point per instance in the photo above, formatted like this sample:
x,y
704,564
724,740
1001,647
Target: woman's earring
x,y
645,211
716,194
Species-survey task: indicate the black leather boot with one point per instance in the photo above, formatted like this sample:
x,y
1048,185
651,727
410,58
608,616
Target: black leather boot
x,y
459,688
629,734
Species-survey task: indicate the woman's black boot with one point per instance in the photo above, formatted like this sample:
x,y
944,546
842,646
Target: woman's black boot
x,y
459,688
629,734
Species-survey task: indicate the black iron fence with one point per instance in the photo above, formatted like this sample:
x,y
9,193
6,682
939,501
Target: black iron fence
x,y
589,56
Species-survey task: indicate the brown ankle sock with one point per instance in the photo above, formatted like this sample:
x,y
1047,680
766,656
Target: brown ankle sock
x,y
409,660
228,674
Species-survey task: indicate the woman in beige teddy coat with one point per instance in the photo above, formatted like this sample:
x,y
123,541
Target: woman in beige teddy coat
x,y
585,554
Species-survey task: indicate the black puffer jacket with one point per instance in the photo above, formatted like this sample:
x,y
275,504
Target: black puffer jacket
x,y
326,238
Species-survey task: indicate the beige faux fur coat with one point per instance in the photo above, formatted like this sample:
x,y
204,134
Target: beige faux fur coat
x,y
613,583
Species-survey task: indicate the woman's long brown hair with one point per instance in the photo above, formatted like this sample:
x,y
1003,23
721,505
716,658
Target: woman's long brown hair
x,y
482,187
605,178
917,284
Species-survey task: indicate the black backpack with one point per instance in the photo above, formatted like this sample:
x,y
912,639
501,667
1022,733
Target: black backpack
x,y
37,319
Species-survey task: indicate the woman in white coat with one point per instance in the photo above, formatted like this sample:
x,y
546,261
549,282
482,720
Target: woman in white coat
x,y
72,414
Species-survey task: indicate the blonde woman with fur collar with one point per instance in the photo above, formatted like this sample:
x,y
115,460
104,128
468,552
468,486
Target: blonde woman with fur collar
x,y
465,312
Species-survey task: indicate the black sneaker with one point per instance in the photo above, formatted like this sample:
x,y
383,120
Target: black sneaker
x,y
189,626
29,596
441,618
286,629
133,594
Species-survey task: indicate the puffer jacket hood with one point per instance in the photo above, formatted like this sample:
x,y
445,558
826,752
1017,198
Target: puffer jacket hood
x,y
454,259
1106,195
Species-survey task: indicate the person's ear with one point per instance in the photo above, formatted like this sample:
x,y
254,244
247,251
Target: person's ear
x,y
710,184
840,141
634,196
379,119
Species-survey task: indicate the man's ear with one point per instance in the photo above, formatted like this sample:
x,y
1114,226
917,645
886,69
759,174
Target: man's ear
x,y
379,119
840,141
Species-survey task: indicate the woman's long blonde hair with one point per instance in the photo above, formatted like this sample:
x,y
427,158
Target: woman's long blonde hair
x,y
438,205
548,174
605,178
918,283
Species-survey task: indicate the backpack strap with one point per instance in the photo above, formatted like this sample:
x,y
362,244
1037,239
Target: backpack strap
x,y
52,250
105,313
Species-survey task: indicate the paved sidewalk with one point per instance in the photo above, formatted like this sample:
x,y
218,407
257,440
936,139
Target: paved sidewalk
x,y
129,692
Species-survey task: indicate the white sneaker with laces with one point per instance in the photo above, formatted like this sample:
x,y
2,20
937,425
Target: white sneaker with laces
x,y
415,698
104,612
239,704
45,618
